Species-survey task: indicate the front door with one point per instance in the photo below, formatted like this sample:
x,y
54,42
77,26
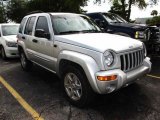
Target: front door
x,y
44,46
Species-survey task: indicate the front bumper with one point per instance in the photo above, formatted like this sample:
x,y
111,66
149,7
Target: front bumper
x,y
11,52
123,79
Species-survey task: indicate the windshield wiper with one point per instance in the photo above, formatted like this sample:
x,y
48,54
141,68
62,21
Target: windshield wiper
x,y
91,31
116,22
82,31
69,32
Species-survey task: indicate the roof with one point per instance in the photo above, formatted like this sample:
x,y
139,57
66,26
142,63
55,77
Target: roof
x,y
52,13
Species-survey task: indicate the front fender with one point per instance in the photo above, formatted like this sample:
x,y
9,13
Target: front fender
x,y
88,64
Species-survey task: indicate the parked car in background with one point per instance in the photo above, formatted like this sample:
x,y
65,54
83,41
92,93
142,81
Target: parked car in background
x,y
114,24
8,40
87,60
153,45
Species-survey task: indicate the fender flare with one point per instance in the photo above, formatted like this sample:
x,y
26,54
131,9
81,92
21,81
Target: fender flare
x,y
87,63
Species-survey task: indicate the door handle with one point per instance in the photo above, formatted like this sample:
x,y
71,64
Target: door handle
x,y
35,41
23,37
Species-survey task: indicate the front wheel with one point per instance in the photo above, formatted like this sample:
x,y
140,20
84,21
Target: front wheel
x,y
76,87
3,54
25,63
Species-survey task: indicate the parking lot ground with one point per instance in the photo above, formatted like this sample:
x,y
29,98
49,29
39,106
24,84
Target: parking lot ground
x,y
21,101
41,90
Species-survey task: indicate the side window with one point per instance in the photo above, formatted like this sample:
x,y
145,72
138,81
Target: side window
x,y
96,16
42,23
29,25
22,25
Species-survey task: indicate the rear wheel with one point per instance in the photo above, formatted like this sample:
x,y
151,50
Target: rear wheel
x,y
25,63
76,87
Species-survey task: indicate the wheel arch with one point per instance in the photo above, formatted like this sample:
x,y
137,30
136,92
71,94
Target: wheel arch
x,y
20,48
84,62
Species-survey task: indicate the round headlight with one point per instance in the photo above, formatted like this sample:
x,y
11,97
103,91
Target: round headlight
x,y
108,58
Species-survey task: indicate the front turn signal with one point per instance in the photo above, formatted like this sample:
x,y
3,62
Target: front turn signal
x,y
107,78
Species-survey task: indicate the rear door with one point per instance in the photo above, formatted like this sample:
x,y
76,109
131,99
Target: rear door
x,y
28,36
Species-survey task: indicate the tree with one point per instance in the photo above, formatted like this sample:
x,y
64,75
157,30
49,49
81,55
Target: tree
x,y
153,21
141,4
119,8
154,13
126,8
127,4
3,17
16,10
56,5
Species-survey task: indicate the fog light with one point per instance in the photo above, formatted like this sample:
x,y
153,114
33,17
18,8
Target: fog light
x,y
107,78
110,88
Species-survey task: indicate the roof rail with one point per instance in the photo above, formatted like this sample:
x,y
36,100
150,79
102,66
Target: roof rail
x,y
37,11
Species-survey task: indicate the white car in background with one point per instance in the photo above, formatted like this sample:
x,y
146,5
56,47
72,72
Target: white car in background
x,y
8,40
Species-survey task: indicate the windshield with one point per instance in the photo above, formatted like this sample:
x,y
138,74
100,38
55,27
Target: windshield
x,y
10,30
71,24
113,18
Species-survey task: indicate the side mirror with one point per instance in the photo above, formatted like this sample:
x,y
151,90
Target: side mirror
x,y
158,25
97,21
41,33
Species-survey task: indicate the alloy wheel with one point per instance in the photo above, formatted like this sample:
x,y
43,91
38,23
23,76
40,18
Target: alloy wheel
x,y
73,86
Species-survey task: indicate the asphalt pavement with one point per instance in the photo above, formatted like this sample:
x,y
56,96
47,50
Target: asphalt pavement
x,y
41,90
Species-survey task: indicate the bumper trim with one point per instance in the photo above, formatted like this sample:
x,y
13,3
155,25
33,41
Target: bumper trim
x,y
123,78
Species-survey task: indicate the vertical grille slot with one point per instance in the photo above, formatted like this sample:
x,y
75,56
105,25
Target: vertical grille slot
x,y
126,58
138,58
131,60
135,59
122,62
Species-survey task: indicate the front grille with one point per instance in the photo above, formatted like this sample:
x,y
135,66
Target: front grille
x,y
131,60
155,33
147,34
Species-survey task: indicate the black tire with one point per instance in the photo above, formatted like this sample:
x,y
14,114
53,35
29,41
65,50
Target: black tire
x,y
25,63
85,92
3,54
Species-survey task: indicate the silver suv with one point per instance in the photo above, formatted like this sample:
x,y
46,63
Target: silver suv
x,y
87,60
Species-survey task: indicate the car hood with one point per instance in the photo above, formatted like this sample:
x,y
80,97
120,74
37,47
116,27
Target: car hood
x,y
100,41
10,38
130,25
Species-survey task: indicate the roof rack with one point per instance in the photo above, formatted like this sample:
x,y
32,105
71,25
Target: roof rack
x,y
37,11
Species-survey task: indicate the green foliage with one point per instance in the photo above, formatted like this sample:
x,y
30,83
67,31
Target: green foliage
x,y
16,10
117,8
154,21
154,13
3,17
55,5
123,7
